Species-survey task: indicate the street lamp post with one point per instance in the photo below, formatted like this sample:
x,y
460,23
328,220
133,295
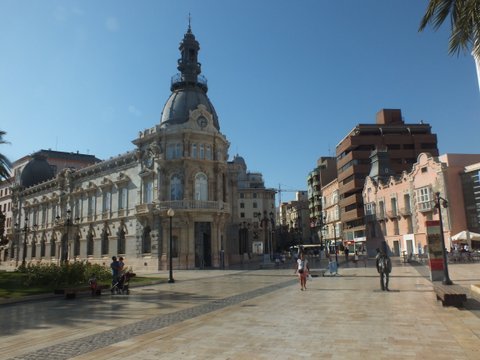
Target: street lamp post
x,y
446,278
25,231
17,242
335,241
321,225
264,224
170,214
272,222
66,236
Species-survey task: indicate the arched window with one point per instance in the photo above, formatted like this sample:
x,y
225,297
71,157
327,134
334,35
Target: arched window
x,y
104,241
53,246
34,247
42,246
146,240
176,188
201,187
121,241
89,244
76,245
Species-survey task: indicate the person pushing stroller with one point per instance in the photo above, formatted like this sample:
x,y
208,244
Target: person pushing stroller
x,y
120,277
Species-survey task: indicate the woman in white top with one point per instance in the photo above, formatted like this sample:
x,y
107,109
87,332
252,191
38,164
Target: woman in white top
x,y
302,271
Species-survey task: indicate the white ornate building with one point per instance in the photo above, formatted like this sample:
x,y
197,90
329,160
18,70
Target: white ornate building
x,y
119,206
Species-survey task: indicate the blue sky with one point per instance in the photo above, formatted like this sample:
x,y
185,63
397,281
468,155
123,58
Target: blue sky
x,y
289,79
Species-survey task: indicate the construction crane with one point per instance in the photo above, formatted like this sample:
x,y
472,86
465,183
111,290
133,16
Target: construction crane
x,y
280,191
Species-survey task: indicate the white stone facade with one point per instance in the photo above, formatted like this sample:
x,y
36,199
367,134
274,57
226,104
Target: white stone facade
x,y
119,206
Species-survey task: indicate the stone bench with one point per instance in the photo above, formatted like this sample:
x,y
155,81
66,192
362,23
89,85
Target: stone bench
x,y
318,272
450,295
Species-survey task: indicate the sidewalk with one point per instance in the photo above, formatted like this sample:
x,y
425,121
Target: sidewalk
x,y
253,314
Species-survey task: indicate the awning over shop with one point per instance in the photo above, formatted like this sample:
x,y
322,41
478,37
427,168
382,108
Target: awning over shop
x,y
465,236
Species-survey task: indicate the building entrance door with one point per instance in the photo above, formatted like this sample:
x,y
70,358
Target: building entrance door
x,y
409,247
203,245
396,248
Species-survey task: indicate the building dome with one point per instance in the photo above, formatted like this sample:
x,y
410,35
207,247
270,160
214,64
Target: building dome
x,y
182,101
237,159
36,171
189,88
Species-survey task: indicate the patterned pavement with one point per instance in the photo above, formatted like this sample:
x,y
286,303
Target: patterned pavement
x,y
252,314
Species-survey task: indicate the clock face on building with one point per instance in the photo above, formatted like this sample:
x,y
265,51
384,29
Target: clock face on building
x,y
202,122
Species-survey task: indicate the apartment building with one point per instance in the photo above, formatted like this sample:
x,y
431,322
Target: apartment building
x,y
294,217
332,229
397,207
471,194
403,141
324,173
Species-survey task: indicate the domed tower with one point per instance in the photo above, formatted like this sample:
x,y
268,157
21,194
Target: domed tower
x,y
184,167
189,88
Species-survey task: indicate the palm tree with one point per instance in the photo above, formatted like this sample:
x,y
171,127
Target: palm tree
x,y
464,20
5,164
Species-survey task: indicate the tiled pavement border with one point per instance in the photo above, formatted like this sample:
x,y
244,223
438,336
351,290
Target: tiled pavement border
x,y
86,344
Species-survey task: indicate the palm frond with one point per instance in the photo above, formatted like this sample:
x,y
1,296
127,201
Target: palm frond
x,y
464,22
5,164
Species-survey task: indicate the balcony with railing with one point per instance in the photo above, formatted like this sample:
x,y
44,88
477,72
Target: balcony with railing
x,y
405,211
143,208
392,214
196,205
179,80
426,206
352,215
381,215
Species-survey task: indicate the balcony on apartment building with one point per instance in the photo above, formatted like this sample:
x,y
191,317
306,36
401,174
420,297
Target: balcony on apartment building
x,y
352,214
355,198
425,206
381,216
352,184
392,214
405,211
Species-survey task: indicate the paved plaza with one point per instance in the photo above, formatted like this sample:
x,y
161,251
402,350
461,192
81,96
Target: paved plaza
x,y
253,314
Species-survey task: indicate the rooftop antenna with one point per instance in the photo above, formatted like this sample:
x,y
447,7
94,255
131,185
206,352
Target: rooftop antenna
x,y
189,23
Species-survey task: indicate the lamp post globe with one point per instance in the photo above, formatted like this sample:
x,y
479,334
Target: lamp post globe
x,y
170,214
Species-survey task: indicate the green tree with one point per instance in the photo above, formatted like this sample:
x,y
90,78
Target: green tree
x,y
464,20
5,164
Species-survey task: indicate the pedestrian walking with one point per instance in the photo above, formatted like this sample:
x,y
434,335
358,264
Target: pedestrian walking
x,y
332,265
302,271
384,268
